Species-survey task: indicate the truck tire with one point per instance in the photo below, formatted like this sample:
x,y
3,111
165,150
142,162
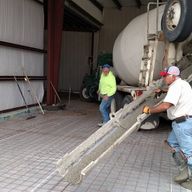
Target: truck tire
x,y
176,21
84,95
152,122
117,102
93,93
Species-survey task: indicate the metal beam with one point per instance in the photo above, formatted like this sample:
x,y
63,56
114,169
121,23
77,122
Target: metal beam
x,y
41,3
73,21
74,6
22,78
138,2
117,3
17,46
97,4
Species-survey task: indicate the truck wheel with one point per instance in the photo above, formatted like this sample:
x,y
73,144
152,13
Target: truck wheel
x,y
117,102
152,122
93,93
176,20
84,96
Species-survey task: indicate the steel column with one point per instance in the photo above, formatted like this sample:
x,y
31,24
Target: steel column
x,y
55,27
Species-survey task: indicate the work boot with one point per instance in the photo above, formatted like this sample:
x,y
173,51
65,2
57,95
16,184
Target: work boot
x,y
181,164
100,124
183,175
179,159
187,184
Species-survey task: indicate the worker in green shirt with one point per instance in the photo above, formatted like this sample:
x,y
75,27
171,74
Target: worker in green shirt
x,y
107,89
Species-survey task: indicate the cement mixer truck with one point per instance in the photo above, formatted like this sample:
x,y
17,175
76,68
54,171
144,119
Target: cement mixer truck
x,y
137,57
149,43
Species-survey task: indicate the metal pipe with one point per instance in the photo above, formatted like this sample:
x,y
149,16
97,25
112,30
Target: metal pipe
x,y
22,78
56,93
32,91
157,16
22,94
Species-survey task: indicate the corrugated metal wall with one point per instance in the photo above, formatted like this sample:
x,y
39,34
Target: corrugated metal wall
x,y
76,49
22,23
76,46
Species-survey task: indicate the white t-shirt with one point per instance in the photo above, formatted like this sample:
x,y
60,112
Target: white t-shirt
x,y
180,95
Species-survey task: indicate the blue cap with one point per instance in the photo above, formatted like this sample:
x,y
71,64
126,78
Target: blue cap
x,y
106,66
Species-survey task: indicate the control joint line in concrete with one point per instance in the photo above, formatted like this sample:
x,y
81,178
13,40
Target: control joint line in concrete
x,y
44,181
7,138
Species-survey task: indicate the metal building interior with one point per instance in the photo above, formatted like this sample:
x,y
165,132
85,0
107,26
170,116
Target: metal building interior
x,y
46,48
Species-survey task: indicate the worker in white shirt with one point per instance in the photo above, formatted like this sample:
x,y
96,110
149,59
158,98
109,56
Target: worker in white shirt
x,y
178,104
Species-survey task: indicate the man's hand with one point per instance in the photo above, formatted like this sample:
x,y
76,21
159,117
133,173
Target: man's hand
x,y
158,90
105,97
146,109
158,93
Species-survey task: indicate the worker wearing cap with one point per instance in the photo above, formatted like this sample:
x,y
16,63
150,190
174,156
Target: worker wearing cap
x,y
107,89
178,103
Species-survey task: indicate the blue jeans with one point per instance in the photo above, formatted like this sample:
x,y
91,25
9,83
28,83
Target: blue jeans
x,y
104,108
180,138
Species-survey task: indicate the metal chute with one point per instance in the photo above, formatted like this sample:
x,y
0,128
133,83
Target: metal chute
x,y
74,165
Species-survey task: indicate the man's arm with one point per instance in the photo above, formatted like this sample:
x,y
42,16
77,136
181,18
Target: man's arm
x,y
157,109
161,107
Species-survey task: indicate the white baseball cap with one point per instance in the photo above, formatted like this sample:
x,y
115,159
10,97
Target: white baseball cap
x,y
172,70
